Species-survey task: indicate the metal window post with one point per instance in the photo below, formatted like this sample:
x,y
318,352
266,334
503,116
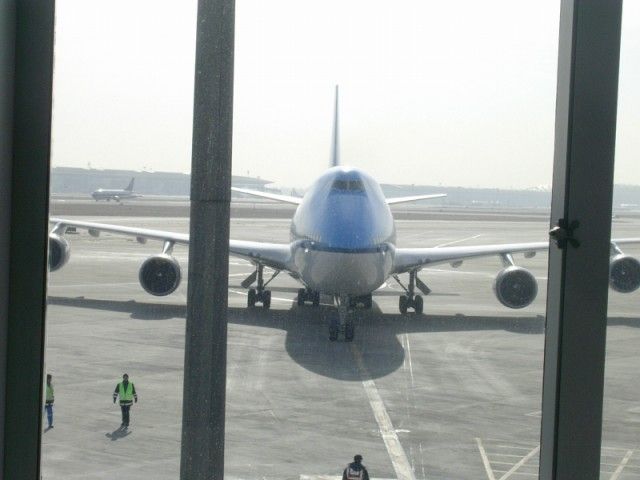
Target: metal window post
x,y
578,274
26,72
206,330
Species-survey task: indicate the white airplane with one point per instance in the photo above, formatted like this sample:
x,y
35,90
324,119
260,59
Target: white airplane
x,y
114,194
343,244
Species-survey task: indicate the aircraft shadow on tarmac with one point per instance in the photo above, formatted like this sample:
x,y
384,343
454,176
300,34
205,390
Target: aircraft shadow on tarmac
x,y
378,335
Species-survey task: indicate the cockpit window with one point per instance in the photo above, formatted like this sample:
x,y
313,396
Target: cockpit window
x,y
348,185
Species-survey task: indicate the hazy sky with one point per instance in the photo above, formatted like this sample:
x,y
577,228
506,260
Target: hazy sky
x,y
432,92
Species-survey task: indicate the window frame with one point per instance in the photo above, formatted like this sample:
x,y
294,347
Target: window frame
x,y
584,156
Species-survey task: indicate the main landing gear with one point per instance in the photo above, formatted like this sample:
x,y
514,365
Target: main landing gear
x,y
259,294
308,295
411,300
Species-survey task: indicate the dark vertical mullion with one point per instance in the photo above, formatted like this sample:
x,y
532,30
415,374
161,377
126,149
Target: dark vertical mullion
x,y
34,21
7,61
578,276
203,412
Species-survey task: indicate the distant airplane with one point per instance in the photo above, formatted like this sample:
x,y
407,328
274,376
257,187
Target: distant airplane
x,y
117,195
343,244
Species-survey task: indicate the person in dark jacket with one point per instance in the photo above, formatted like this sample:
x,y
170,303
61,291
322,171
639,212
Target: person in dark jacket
x,y
126,390
355,470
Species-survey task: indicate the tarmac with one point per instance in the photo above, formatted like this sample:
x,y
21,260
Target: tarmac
x,y
451,394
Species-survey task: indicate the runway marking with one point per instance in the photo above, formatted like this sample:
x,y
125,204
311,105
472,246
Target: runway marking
x,y
406,336
80,285
491,474
237,292
621,466
524,460
398,457
458,241
485,460
331,477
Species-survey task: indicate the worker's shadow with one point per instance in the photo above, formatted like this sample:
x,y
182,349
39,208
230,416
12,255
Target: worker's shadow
x,y
118,434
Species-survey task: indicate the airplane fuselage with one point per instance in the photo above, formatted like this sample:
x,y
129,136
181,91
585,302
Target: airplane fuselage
x,y
105,194
343,234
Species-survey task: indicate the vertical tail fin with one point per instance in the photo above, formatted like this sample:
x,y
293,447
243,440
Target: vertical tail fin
x,y
130,186
335,143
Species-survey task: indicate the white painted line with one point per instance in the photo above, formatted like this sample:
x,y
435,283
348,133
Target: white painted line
x,y
80,285
623,463
398,457
524,460
287,300
331,477
406,335
522,473
485,460
458,241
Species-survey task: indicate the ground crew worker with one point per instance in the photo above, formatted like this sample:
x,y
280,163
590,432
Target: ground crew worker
x,y
48,402
355,470
126,390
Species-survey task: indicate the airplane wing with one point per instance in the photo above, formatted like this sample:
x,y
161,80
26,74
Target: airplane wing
x,y
275,255
407,259
413,198
270,196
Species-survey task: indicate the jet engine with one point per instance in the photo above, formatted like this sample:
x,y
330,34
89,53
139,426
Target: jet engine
x,y
58,252
624,273
160,275
515,287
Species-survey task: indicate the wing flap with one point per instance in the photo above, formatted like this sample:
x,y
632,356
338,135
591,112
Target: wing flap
x,y
146,233
275,255
407,259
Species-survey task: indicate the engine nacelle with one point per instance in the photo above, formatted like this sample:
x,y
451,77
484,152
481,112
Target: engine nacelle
x,y
515,287
624,273
160,275
58,252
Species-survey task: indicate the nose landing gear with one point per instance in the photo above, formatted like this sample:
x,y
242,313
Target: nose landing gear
x,y
344,322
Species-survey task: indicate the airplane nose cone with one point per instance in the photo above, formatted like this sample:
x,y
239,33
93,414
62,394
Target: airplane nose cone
x,y
350,224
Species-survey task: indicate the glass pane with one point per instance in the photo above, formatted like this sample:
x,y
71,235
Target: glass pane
x,y
434,98
123,99
621,413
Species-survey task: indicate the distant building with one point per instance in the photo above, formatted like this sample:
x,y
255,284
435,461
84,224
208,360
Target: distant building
x,y
81,181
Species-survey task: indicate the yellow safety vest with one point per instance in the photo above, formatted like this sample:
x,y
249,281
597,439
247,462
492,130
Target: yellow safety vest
x,y
126,395
49,397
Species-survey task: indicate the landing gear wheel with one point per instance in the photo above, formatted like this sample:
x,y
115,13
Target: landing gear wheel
x,y
301,296
349,331
266,299
251,298
403,304
418,304
316,299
